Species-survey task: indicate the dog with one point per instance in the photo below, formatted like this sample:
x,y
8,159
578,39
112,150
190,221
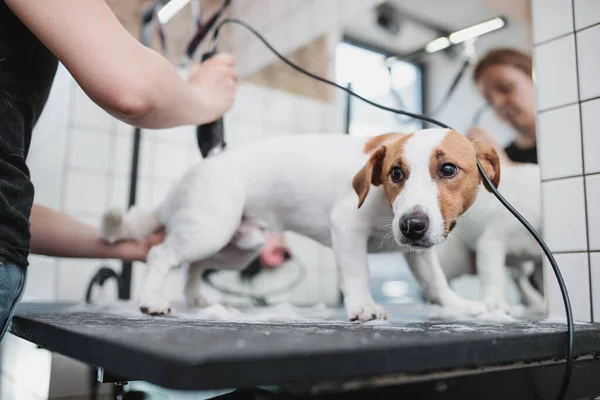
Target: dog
x,y
412,187
488,239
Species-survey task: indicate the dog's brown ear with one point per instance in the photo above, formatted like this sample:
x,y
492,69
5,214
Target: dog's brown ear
x,y
369,174
488,157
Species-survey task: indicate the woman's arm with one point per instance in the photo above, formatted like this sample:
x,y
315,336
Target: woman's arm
x,y
128,80
58,235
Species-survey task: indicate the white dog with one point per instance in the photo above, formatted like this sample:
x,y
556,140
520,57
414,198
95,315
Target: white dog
x,y
420,183
488,238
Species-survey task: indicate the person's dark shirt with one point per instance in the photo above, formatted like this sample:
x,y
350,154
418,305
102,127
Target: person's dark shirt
x,y
521,155
27,70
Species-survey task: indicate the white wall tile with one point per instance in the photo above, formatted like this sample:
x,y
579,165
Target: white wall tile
x,y
122,152
559,143
590,111
119,192
87,114
279,107
551,18
145,193
170,160
147,156
249,104
75,274
592,186
90,149
588,52
86,192
40,279
575,272
587,12
556,81
595,277
564,215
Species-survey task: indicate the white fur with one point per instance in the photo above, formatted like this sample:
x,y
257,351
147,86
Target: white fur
x,y
498,239
299,183
420,191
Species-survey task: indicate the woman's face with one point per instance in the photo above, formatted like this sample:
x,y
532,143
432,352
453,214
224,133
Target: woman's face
x,y
510,92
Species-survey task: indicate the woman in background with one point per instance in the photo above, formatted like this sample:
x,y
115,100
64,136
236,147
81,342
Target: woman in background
x,y
505,78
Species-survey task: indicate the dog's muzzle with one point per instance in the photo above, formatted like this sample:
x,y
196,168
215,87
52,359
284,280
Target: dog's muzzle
x,y
414,225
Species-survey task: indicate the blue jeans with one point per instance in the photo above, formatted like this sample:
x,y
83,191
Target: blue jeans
x,y
12,281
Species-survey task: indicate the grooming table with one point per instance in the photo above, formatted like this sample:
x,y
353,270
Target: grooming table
x,y
410,355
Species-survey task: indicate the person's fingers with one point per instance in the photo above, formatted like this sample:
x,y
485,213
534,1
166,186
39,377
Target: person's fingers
x,y
225,58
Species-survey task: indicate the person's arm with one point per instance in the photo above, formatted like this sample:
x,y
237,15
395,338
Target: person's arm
x,y
130,81
58,235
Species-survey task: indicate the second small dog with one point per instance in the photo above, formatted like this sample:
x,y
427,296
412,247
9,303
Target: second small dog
x,y
488,239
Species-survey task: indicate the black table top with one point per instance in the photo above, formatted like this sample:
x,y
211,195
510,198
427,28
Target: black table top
x,y
184,352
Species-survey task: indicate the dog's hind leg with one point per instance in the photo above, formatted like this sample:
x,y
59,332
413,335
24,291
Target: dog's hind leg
x,y
201,226
531,297
230,258
193,294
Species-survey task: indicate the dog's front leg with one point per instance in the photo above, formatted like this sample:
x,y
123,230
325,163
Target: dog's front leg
x,y
349,243
427,270
491,258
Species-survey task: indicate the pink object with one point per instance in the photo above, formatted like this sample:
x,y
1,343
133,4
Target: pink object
x,y
274,251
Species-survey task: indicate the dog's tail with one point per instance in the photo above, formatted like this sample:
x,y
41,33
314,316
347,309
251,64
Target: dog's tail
x,y
134,224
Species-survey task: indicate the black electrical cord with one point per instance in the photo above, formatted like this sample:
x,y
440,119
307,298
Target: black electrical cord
x,y
261,299
570,328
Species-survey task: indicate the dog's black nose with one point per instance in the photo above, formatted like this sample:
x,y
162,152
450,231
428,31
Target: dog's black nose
x,y
414,225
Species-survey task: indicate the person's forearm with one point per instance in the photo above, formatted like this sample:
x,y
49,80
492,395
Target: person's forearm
x,y
128,80
58,235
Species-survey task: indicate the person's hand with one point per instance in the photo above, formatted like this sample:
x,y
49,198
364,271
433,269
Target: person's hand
x,y
215,81
138,250
480,134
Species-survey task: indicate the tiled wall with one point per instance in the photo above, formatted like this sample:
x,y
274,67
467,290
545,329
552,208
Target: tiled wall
x,y
567,73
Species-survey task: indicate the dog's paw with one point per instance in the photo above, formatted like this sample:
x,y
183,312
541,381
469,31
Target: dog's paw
x,y
157,306
366,312
464,306
196,300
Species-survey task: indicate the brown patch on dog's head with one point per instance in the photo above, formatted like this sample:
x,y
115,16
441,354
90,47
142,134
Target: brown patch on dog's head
x,y
458,192
489,160
369,175
376,171
380,140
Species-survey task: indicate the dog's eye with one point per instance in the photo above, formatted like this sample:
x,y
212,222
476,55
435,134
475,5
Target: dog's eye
x,y
448,170
397,174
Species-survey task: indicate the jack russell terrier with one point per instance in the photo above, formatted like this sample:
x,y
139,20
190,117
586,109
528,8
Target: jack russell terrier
x,y
413,187
488,238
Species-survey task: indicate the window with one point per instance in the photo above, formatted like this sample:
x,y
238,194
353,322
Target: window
x,y
397,85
